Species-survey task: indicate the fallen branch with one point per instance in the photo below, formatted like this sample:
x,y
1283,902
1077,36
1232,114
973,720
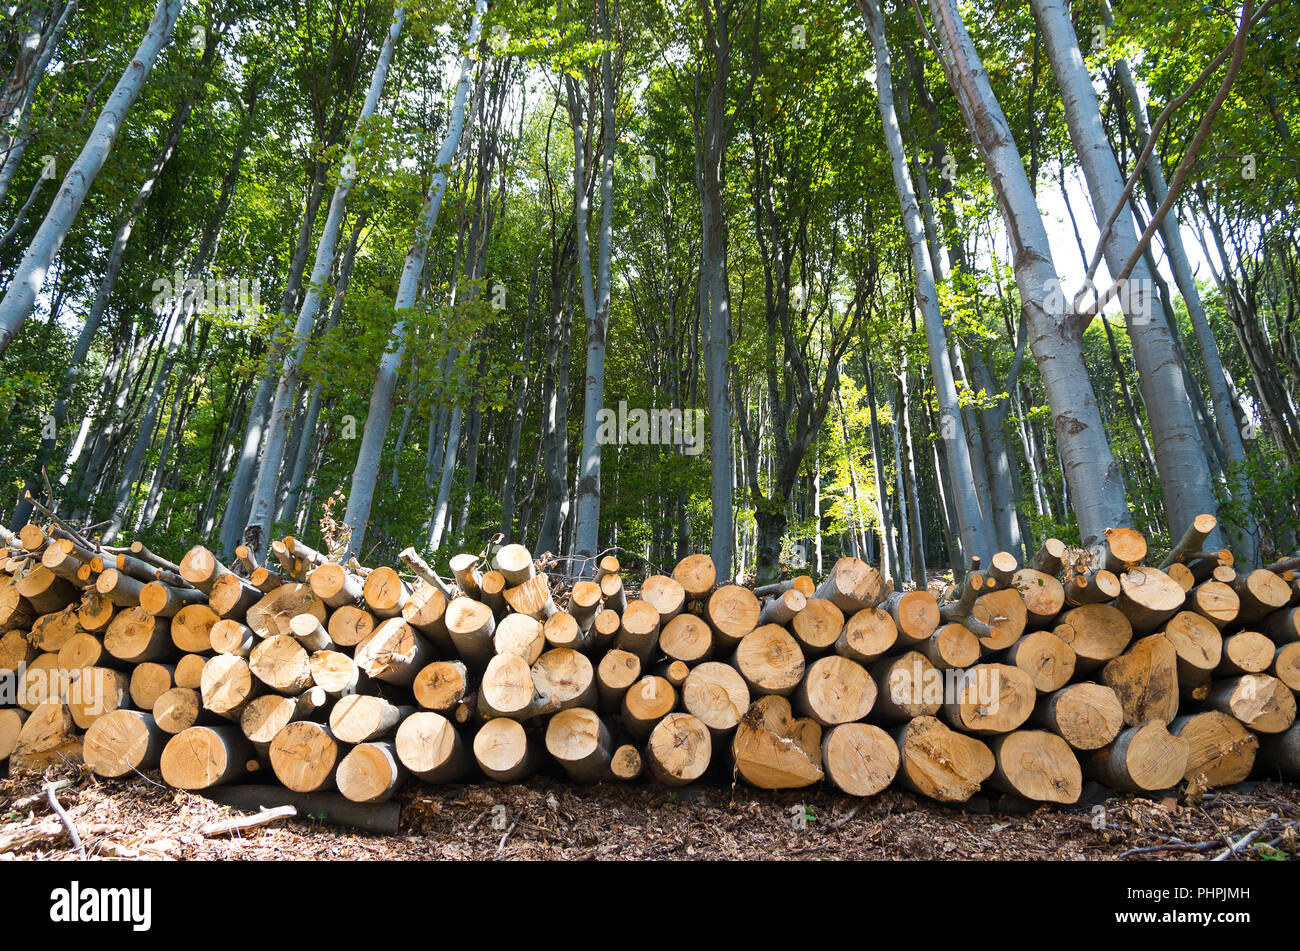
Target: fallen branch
x,y
240,823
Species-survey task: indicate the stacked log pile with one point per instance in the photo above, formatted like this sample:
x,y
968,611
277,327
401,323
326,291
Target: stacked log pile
x,y
1027,679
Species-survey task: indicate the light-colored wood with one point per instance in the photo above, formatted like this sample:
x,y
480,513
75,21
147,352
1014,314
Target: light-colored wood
x,y
520,634
471,625
1145,679
940,763
165,600
617,671
686,638
149,681
359,718
770,661
271,615
370,773
1261,592
16,612
1214,601
191,628
228,685
732,612
772,749
117,586
1198,644
1086,715
1096,633
348,626
1047,659
11,725
1119,549
430,747
50,632
385,593
566,676
492,588
581,743
426,611
638,632
205,756
135,636
605,628
1143,758
1219,748
584,602
818,626
1036,765
1004,613
1148,597
1286,665
1043,594
1091,586
1181,574
42,681
466,570
867,635
697,576
1259,701
561,629
665,595
907,686
45,591
859,759
532,597
178,709
951,647
504,752
645,703
305,756
393,653
189,670
611,591
93,613
716,695
232,637
515,563
91,692
200,568
265,716
442,685
989,698
679,749
281,663
853,585
915,615
626,763
507,690
336,586
835,690
1246,652
782,608
15,650
48,737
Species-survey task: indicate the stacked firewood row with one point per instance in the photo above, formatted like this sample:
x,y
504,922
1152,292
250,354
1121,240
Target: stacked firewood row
x,y
329,675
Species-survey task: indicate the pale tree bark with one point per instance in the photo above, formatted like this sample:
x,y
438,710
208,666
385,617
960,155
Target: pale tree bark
x,y
1094,477
1180,458
586,522
365,473
29,278
952,428
295,348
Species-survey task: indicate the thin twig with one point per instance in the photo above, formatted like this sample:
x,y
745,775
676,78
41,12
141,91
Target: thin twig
x,y
65,819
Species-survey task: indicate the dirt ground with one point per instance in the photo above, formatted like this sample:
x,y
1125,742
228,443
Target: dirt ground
x,y
549,819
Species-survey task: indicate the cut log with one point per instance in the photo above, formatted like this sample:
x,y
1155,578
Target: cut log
x,y
431,748
520,634
1280,753
665,595
716,695
149,681
503,751
16,612
393,653
189,670
1004,616
1047,659
492,591
605,628
853,585
772,749
87,650
310,633
45,591
1091,586
835,690
867,635
48,737
265,716
426,611
358,718
191,628
1219,748
1193,540
465,569
673,671
305,756
562,630
1148,597
471,625
1145,678
228,685
990,698
1119,549
336,586
645,703
907,686
638,631
818,626
686,638
164,600
11,725
1286,665
1261,702
370,773
1086,715
515,563
281,663
232,637
1246,652
271,615
385,593
51,631
732,612
179,709
1143,758
1097,633
617,671
951,647
566,676
581,743
533,598
507,690
584,602
232,596
200,568
135,636
348,626
1043,595
15,650
91,692
1261,592
93,613
1048,558
782,608
1181,574
338,674
1002,568
442,685
940,763
770,661
697,576
1214,601
1036,765
626,764
121,589
679,750
205,756
266,580
859,759
915,615
42,681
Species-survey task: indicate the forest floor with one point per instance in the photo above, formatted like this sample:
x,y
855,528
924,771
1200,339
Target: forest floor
x,y
547,818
